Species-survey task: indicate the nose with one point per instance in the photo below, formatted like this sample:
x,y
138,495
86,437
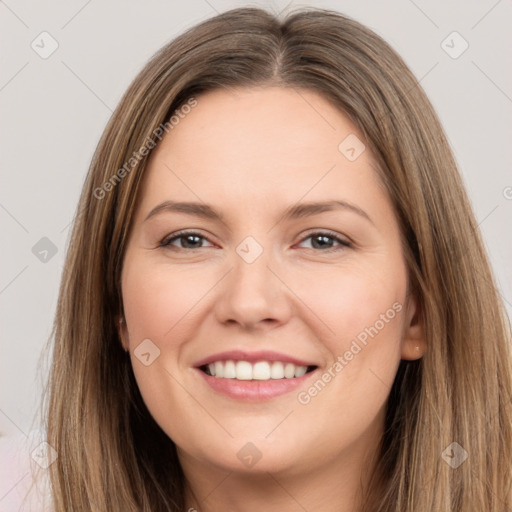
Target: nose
x,y
253,295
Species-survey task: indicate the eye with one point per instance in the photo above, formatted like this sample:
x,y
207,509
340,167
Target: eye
x,y
190,240
322,240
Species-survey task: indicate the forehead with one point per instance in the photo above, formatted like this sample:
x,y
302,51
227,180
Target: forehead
x,y
253,147
288,123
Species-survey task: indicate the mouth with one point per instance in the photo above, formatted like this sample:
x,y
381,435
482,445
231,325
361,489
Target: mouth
x,y
254,376
260,371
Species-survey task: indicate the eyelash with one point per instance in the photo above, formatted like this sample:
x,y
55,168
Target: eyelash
x,y
166,242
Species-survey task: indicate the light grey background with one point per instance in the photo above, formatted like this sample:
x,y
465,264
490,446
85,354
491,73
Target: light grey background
x,y
54,110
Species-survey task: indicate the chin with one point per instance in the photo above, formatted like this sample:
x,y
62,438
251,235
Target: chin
x,y
247,454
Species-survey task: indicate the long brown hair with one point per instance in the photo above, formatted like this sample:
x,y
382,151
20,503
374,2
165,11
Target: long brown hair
x,y
112,456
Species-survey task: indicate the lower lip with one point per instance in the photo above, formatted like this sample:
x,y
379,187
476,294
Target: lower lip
x,y
254,390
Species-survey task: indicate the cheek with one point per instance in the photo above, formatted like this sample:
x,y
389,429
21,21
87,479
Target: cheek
x,y
356,303
363,312
159,306
159,303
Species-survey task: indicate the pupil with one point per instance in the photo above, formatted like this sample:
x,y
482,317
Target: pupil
x,y
321,237
191,237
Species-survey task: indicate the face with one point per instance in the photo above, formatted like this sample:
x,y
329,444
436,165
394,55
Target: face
x,y
264,332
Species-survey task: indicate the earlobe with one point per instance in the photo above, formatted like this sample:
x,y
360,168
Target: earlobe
x,y
414,343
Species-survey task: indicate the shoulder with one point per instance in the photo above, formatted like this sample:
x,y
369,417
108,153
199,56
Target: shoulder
x,y
24,483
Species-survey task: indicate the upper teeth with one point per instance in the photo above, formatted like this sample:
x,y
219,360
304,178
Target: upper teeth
x,y
262,370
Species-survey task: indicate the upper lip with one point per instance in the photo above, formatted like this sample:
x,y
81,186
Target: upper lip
x,y
252,357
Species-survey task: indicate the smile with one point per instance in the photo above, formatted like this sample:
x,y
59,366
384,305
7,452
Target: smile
x,y
254,376
260,370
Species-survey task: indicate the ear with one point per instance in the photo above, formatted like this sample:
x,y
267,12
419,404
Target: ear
x,y
414,343
122,331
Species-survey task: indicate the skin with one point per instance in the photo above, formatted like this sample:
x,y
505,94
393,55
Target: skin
x,y
251,153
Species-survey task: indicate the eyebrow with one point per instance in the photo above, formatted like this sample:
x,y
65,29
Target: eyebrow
x,y
296,211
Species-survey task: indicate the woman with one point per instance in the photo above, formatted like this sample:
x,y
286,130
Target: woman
x,y
276,294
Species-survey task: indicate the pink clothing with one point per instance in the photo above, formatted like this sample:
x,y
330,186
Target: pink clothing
x,y
24,482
